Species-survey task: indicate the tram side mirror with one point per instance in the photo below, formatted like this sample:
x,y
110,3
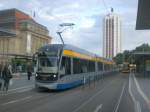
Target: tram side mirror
x,y
34,57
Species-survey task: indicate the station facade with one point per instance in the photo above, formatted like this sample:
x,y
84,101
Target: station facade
x,y
20,35
142,61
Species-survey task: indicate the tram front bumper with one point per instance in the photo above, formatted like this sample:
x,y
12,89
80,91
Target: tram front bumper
x,y
46,85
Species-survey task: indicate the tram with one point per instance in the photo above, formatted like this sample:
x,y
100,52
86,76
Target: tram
x,y
126,67
60,67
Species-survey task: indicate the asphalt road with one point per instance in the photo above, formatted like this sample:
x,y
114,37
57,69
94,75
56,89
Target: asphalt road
x,y
110,94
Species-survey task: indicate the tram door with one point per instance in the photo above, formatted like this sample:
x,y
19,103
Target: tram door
x,y
65,68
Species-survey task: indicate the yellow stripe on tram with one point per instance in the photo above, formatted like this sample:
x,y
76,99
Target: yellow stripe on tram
x,y
75,54
83,56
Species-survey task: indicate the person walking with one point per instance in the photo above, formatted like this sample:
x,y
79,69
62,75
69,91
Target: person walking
x,y
1,78
29,71
7,76
10,72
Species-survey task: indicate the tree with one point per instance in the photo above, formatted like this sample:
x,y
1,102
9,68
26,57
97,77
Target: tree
x,y
126,55
142,48
119,58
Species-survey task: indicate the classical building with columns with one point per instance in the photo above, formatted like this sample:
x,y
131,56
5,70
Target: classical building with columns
x,y
20,35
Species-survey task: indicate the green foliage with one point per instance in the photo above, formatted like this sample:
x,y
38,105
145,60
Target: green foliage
x,y
119,58
143,48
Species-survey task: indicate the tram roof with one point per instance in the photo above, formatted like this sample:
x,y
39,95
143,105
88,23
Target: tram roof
x,y
72,48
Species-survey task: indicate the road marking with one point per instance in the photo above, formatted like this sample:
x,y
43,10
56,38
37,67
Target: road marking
x,y
91,98
130,92
20,88
116,109
137,106
98,108
141,92
24,90
15,101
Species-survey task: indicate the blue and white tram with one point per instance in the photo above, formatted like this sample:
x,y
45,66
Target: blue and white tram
x,y
61,67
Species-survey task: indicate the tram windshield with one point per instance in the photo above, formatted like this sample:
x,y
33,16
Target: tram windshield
x,y
47,64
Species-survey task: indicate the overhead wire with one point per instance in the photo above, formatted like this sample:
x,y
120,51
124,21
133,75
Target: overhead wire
x,y
105,5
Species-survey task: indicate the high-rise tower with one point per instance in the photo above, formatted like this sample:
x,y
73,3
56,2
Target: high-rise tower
x,y
111,35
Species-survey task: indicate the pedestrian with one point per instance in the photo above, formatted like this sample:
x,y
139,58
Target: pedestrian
x,y
10,73
10,69
7,75
1,78
29,71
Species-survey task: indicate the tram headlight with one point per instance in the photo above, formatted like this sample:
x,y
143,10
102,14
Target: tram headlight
x,y
36,75
54,76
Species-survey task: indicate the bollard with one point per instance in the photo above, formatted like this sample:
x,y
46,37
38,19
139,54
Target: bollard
x,y
89,81
94,80
84,81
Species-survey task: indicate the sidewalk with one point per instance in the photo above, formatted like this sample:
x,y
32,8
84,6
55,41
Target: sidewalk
x,y
144,83
20,83
17,75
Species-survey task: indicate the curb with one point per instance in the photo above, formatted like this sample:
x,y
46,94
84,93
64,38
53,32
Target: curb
x,y
15,75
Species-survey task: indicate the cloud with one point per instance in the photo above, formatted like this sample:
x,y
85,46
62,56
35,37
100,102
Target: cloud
x,y
1,5
44,14
85,23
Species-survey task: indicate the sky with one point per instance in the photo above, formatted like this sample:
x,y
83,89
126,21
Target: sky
x,y
87,15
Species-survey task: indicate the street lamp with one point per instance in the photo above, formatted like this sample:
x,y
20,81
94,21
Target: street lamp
x,y
65,26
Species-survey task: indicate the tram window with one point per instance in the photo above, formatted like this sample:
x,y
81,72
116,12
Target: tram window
x,y
110,67
76,66
107,67
91,66
66,65
100,66
84,66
